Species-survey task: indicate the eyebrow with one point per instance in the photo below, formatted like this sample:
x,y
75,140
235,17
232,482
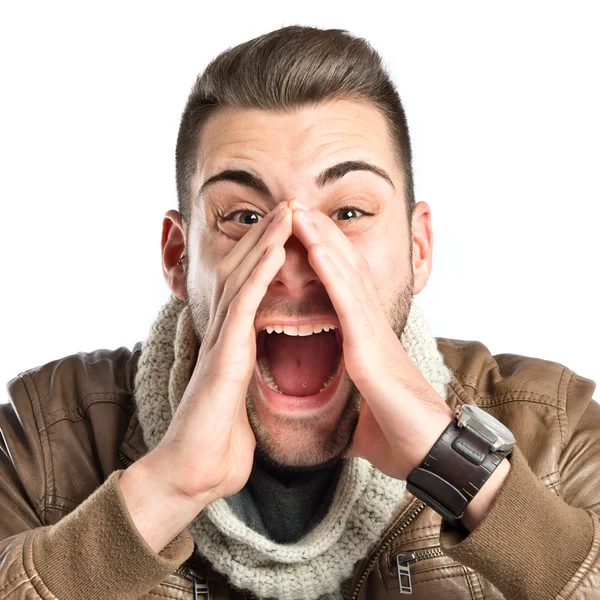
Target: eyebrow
x,y
328,176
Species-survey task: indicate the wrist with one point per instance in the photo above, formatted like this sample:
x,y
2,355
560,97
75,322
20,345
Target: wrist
x,y
465,468
157,511
483,500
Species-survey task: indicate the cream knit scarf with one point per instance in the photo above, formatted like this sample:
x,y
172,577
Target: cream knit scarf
x,y
319,565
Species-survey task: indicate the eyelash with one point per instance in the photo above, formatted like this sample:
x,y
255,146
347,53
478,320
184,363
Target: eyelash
x,y
360,210
228,216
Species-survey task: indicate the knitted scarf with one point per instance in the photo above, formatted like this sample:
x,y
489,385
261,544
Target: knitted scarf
x,y
320,564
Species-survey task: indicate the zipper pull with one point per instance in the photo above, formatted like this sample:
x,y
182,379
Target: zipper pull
x,y
403,561
199,582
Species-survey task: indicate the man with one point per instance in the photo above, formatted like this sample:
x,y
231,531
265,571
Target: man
x,y
288,429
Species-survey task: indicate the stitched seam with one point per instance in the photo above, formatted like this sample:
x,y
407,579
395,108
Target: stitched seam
x,y
17,587
13,580
439,577
562,436
75,415
550,474
501,402
63,498
35,580
163,595
56,507
549,399
584,569
424,527
46,455
432,569
469,583
66,410
408,539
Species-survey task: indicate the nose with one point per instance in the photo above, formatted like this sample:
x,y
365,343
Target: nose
x,y
296,275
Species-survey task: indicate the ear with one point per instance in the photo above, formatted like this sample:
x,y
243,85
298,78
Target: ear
x,y
422,246
172,249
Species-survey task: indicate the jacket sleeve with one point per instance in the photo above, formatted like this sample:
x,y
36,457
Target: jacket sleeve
x,y
534,544
93,552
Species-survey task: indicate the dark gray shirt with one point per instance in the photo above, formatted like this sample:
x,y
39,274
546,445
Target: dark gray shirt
x,y
284,504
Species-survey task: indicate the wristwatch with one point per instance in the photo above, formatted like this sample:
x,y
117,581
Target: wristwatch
x,y
460,462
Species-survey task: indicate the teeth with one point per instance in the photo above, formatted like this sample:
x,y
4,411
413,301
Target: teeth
x,y
263,365
327,383
300,330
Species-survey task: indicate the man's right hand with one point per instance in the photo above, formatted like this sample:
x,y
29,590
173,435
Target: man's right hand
x,y
208,449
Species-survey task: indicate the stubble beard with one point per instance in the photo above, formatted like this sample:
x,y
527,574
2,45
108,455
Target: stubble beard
x,y
291,444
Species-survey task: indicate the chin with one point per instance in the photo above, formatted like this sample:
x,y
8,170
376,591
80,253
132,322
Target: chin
x,y
303,432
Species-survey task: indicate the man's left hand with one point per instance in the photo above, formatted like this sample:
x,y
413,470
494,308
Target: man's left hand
x,y
401,415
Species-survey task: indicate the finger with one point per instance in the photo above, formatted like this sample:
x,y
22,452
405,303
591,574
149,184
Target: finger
x,y
313,227
248,241
347,296
236,344
276,234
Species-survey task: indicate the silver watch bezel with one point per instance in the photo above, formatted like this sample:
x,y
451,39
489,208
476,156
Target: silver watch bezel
x,y
472,417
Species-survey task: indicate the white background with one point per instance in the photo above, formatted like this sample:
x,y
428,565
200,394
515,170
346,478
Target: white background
x,y
503,103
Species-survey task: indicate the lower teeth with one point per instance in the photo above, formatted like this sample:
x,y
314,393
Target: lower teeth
x,y
268,378
263,363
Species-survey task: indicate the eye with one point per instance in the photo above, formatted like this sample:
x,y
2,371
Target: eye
x,y
348,213
243,217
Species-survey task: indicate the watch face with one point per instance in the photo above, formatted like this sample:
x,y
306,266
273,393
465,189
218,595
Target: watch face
x,y
478,414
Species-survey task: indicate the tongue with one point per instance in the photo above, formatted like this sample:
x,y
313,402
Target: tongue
x,y
300,365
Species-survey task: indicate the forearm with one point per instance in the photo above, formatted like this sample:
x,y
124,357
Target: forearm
x,y
157,511
93,552
529,543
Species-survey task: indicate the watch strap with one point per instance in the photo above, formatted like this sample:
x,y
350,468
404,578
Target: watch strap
x,y
454,470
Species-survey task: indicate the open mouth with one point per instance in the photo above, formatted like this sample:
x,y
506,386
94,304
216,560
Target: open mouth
x,y
299,362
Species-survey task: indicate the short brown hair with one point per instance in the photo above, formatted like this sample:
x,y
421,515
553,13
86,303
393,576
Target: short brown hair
x,y
285,69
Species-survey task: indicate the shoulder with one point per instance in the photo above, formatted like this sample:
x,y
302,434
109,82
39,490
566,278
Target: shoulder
x,y
67,386
526,383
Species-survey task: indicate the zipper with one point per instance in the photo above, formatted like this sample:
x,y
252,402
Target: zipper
x,y
198,581
126,461
405,559
384,546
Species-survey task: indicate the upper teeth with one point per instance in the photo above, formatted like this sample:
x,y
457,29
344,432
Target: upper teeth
x,y
307,329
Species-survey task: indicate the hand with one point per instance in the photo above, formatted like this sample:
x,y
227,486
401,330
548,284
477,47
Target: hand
x,y
208,449
401,415
209,442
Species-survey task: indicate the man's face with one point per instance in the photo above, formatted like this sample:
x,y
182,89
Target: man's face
x,y
288,152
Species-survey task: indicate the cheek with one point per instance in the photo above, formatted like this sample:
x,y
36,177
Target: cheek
x,y
207,251
386,254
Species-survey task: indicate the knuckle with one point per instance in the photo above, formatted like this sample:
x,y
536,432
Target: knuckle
x,y
222,270
356,279
363,264
237,307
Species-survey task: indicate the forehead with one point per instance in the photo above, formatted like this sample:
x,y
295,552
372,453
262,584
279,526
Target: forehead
x,y
288,149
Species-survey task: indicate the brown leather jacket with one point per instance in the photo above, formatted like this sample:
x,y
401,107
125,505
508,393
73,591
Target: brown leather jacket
x,y
71,429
